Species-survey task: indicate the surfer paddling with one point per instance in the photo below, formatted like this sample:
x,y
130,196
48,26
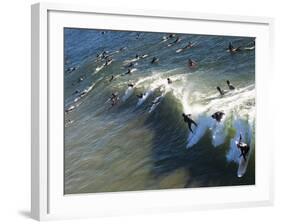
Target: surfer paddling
x,y
112,77
128,72
231,87
154,60
218,116
191,63
243,147
188,120
232,49
114,99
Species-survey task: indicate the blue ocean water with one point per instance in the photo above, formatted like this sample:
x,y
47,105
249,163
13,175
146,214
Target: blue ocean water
x,y
144,143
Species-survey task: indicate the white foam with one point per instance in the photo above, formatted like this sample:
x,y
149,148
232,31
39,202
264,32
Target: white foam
x,y
144,97
198,132
99,68
241,128
128,93
218,133
156,102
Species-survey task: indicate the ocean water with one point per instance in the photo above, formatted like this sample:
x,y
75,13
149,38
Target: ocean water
x,y
137,145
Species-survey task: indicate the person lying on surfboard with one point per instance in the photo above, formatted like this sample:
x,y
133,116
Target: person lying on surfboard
x,y
112,77
218,116
191,63
128,72
154,60
190,45
108,61
232,49
244,148
176,40
114,98
188,120
231,87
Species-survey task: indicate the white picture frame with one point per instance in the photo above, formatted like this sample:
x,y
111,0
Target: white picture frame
x,y
48,201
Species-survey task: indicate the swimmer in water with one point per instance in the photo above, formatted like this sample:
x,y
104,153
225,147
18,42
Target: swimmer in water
x,y
169,81
76,92
188,120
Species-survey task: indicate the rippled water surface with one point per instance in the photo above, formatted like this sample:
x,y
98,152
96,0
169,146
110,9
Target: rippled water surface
x,y
144,144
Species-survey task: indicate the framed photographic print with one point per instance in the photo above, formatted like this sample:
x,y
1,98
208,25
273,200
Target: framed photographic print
x,y
148,111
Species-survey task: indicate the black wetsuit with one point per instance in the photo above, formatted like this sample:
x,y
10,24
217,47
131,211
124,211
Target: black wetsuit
x,y
220,90
113,99
140,96
244,148
230,47
191,63
128,72
189,121
218,116
231,87
154,60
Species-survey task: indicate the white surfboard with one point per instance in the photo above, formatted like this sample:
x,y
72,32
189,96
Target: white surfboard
x,y
157,101
242,168
144,97
179,50
243,164
128,93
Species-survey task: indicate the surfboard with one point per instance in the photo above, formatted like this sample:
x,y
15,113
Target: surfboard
x,y
243,164
249,48
128,93
179,50
157,102
143,99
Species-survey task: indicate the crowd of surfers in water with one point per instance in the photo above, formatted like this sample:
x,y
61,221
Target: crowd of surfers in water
x,y
191,63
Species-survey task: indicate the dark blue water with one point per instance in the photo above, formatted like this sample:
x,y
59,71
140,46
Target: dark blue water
x,y
138,145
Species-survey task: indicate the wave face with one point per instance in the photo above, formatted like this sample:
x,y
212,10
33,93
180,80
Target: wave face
x,y
143,143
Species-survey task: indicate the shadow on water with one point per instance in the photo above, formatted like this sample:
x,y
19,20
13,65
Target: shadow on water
x,y
203,164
